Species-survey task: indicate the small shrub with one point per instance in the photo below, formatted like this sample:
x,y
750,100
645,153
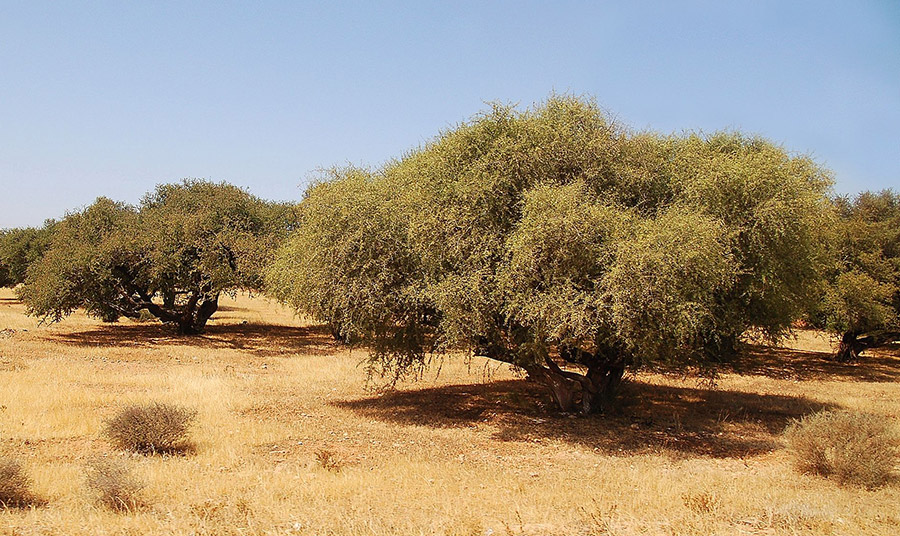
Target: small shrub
x,y
223,513
853,448
15,486
329,460
12,364
702,502
115,484
154,428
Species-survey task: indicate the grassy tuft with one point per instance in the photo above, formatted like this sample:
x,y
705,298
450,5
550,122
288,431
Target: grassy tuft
x,y
853,448
115,485
15,486
153,428
329,461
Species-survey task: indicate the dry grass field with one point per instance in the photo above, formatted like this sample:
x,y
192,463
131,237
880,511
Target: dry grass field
x,y
290,440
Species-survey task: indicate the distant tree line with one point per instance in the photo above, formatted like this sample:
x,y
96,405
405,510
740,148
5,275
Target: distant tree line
x,y
553,239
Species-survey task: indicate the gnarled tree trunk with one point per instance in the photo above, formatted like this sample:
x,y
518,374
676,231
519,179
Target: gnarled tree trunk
x,y
849,348
194,322
573,392
598,385
188,317
584,393
196,312
853,343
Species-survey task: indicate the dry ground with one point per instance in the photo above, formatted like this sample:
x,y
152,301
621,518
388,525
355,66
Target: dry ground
x,y
473,449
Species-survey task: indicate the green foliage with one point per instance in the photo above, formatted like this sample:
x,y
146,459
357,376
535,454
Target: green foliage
x,y
773,205
555,232
154,428
863,296
216,230
560,252
856,302
666,287
82,266
854,448
19,248
172,256
351,239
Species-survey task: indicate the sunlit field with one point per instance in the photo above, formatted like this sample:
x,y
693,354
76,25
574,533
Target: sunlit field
x,y
291,438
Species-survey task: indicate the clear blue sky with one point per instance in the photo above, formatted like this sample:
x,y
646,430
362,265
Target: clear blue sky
x,y
111,98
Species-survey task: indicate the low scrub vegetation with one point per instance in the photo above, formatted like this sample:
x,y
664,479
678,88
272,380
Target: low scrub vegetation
x,y
15,486
329,461
853,448
153,428
115,485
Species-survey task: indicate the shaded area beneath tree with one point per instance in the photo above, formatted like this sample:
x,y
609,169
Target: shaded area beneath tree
x,y
878,365
648,417
261,340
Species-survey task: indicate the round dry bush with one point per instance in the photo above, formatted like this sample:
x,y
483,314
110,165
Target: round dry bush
x,y
115,485
15,486
853,448
154,428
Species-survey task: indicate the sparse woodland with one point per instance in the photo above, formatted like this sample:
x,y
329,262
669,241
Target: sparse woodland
x,y
540,322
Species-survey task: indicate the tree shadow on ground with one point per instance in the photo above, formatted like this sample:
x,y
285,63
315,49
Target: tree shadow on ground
x,y
877,365
230,309
261,340
648,417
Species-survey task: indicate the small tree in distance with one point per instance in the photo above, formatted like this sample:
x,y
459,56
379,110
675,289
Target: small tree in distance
x,y
172,256
862,303
19,248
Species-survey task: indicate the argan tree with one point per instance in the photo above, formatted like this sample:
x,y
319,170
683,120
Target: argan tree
x,y
562,243
862,303
172,256
19,248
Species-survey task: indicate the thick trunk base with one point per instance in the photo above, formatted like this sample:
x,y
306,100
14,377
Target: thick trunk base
x,y
850,348
573,392
194,322
585,394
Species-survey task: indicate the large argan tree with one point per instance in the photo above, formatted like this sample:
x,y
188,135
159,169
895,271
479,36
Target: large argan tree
x,y
562,243
172,256
862,302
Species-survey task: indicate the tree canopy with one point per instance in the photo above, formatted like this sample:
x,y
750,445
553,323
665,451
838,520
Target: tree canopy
x,y
862,301
561,242
19,248
171,256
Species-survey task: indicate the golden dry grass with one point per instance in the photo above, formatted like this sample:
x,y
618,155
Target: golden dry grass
x,y
473,450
